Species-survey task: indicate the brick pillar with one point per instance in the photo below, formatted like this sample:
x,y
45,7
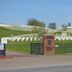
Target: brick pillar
x,y
49,45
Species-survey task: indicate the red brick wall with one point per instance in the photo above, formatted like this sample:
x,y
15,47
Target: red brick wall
x,y
49,49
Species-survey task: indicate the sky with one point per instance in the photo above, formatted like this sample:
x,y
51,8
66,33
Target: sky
x,y
20,11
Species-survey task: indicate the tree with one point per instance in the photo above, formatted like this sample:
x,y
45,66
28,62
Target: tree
x,y
35,22
64,27
52,25
69,24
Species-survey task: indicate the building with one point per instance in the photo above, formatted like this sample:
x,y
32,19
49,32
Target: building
x,y
69,29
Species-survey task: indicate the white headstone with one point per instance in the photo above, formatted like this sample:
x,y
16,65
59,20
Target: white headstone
x,y
4,40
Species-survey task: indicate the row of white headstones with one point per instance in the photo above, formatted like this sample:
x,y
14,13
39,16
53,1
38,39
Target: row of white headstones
x,y
63,38
6,39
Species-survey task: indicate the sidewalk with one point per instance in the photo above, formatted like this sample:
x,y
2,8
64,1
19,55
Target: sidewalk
x,y
34,60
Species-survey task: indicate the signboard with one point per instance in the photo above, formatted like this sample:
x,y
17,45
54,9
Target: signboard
x,y
2,49
1,46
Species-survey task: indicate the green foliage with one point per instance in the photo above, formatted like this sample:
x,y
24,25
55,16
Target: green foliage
x,y
35,22
58,33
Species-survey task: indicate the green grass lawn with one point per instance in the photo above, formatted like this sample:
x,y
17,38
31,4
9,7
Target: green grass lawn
x,y
7,32
58,33
19,46
64,47
24,47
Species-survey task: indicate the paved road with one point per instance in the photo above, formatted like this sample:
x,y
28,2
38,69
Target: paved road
x,y
63,68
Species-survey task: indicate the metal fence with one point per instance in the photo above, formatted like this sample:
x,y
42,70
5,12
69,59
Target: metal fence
x,y
37,48
64,47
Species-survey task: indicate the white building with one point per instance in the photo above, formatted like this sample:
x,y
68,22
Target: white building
x,y
69,29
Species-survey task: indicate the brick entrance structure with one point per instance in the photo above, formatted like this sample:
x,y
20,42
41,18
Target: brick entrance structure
x,y
49,45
